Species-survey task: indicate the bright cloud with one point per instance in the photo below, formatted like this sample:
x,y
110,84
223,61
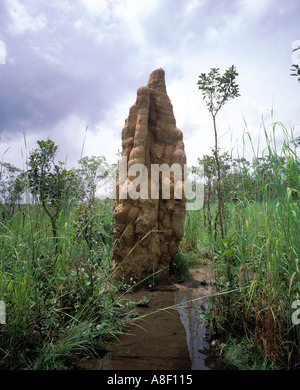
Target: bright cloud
x,y
23,20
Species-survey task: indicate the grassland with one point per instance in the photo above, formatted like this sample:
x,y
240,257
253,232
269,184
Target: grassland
x,y
256,267
61,301
57,306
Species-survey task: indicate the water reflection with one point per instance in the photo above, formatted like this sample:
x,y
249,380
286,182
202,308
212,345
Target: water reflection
x,y
171,338
189,310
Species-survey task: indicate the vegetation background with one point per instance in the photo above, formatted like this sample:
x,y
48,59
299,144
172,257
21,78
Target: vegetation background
x,y
56,278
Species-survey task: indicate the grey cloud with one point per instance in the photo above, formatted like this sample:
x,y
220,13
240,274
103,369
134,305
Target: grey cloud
x,y
165,28
60,71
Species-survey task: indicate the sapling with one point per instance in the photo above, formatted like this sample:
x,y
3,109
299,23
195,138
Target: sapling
x,y
217,90
51,183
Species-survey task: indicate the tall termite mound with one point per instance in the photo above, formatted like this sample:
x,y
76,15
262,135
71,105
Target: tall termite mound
x,y
148,230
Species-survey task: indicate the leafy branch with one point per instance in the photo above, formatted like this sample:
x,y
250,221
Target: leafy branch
x,y
217,90
295,68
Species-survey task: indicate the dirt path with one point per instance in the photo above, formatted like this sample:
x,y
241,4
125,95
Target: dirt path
x,y
168,333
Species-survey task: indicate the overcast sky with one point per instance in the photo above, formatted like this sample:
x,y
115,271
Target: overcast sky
x,y
69,64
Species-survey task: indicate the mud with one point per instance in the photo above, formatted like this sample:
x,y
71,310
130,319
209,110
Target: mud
x,y
167,335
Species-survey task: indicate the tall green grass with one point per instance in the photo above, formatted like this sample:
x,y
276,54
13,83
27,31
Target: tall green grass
x,y
262,245
57,306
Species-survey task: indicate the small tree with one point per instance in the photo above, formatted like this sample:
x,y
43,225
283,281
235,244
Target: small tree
x,y
217,90
11,188
51,183
209,164
210,173
93,170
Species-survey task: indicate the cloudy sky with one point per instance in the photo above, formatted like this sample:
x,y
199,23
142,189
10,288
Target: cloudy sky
x,y
69,64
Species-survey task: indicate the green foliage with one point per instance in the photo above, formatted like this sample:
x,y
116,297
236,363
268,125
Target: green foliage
x,y
59,299
94,224
12,186
54,186
49,181
218,89
242,354
93,170
262,248
181,265
57,306
295,68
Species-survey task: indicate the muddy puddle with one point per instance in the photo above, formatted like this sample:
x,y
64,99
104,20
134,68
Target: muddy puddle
x,y
167,335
